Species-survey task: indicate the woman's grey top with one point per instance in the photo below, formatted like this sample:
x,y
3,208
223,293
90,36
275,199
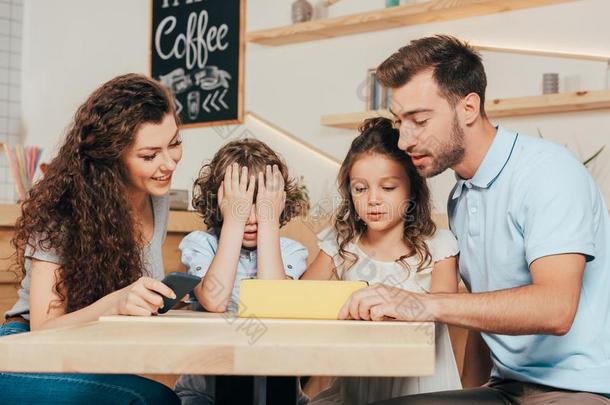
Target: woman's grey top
x,y
152,256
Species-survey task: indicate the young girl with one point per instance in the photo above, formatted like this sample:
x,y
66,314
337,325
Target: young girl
x,y
90,234
383,233
244,196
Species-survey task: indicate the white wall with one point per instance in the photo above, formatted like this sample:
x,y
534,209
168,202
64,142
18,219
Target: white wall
x,y
72,46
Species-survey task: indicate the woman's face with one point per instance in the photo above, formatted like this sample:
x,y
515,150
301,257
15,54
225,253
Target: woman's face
x,y
152,159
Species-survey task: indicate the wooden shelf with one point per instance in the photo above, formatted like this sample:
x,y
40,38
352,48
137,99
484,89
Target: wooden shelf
x,y
178,221
394,17
498,108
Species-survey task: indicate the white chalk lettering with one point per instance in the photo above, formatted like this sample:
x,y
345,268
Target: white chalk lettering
x,y
195,43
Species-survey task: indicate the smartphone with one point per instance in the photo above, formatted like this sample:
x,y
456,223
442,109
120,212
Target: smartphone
x,y
181,284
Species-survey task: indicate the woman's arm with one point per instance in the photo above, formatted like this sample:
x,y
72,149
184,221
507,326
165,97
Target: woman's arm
x,y
322,268
444,276
48,311
477,361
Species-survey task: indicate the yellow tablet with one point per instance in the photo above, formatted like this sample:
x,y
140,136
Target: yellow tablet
x,y
297,299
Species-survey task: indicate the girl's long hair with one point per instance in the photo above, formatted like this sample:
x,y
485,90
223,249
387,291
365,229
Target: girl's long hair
x,y
378,136
80,208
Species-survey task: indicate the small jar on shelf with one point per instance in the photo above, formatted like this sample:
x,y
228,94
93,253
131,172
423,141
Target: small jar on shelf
x,y
302,11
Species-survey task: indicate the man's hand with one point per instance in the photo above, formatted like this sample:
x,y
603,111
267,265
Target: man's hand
x,y
380,301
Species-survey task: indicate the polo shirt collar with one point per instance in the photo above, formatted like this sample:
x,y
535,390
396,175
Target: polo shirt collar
x,y
493,163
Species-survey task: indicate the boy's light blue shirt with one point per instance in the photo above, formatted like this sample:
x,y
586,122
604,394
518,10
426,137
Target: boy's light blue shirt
x,y
531,198
198,249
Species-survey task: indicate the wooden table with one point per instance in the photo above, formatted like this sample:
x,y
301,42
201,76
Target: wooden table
x,y
181,342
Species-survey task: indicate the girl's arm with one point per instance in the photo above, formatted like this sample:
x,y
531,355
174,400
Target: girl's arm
x,y
444,276
270,200
322,268
477,361
48,311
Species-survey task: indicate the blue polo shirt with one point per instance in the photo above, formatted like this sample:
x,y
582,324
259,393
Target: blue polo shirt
x,y
531,198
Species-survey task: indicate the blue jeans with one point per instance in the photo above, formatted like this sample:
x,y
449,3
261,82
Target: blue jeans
x,y
48,388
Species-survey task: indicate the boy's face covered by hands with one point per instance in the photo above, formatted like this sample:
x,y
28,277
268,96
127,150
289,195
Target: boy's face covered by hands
x,y
240,207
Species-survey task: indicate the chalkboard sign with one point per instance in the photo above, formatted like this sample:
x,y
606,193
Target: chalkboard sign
x,y
197,50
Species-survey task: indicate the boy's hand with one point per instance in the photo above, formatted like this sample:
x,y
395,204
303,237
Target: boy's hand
x,y
271,196
235,194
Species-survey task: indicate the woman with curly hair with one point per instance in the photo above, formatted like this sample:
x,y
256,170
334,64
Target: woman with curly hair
x,y
90,233
245,196
383,233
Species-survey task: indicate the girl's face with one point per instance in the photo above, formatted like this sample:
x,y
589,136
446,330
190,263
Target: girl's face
x,y
380,191
152,159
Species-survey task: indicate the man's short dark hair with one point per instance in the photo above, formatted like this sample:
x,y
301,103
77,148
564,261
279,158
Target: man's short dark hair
x,y
457,67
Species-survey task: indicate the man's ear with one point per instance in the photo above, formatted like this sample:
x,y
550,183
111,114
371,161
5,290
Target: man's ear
x,y
471,108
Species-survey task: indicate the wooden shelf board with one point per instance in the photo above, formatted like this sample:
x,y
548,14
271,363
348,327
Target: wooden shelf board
x,y
394,17
352,120
8,277
8,214
545,52
178,221
549,103
498,108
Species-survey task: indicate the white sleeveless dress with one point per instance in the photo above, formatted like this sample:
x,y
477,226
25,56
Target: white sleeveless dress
x,y
365,390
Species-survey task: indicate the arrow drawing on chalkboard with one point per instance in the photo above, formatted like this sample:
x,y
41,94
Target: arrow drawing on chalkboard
x,y
214,99
211,100
178,106
220,99
205,103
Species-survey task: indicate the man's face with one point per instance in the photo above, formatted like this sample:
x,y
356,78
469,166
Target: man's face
x,y
430,132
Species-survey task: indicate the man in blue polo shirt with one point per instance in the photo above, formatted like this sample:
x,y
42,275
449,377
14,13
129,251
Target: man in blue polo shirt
x,y
534,237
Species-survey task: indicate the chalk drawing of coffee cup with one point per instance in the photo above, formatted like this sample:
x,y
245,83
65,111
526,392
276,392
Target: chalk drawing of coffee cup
x,y
177,80
182,84
168,79
192,101
210,78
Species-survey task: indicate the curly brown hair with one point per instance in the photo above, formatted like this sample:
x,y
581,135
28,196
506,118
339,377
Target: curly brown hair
x,y
80,207
255,155
378,136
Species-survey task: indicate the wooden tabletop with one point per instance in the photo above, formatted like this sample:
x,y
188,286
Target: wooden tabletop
x,y
220,344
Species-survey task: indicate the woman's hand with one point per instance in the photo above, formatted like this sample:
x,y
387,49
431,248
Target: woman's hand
x,y
235,194
143,297
271,197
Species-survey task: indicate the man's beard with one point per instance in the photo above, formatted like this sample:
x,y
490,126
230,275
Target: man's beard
x,y
448,154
